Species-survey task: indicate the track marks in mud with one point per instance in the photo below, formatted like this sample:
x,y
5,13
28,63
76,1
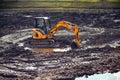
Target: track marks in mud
x,y
99,51
17,36
17,68
108,37
21,35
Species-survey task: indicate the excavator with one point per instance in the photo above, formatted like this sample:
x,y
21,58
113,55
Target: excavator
x,y
43,35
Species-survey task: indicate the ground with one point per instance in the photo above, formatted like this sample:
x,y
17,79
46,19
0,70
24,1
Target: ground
x,y
99,51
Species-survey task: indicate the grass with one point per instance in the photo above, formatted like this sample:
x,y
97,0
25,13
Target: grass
x,y
57,0
56,5
69,0
113,0
48,4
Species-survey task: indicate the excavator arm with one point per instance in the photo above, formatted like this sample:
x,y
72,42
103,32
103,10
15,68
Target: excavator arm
x,y
67,25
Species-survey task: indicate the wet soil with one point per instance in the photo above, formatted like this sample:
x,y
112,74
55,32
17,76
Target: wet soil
x,y
99,51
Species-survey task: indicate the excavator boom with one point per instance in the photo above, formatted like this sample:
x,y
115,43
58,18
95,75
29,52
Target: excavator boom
x,y
69,26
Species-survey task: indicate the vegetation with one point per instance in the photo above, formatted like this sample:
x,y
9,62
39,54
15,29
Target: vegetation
x,y
58,5
113,0
65,0
68,0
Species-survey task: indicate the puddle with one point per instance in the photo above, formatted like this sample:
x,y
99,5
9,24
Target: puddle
x,y
46,50
105,76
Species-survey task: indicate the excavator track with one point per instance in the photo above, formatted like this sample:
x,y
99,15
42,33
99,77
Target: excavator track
x,y
32,43
47,45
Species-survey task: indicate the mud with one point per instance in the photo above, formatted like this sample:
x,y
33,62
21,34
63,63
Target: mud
x,y
99,51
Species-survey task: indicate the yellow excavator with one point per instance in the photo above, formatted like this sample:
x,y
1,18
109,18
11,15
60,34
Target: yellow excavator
x,y
43,33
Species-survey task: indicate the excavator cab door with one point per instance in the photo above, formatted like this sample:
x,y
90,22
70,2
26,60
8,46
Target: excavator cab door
x,y
43,24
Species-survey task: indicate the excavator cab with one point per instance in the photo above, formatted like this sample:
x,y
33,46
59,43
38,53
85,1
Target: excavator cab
x,y
43,24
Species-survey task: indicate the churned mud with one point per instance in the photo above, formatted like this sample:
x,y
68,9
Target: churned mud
x,y
99,51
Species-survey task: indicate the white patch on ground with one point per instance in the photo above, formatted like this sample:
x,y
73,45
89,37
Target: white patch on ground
x,y
117,20
84,42
113,14
20,44
91,31
115,44
84,30
117,75
43,17
85,62
20,39
27,48
25,30
28,16
12,72
112,44
105,76
30,68
62,50
7,70
21,66
17,36
64,33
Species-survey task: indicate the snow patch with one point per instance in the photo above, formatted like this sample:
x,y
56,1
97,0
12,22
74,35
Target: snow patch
x,y
85,62
62,50
91,31
117,75
20,44
105,76
117,20
27,48
16,37
113,44
30,68
28,16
